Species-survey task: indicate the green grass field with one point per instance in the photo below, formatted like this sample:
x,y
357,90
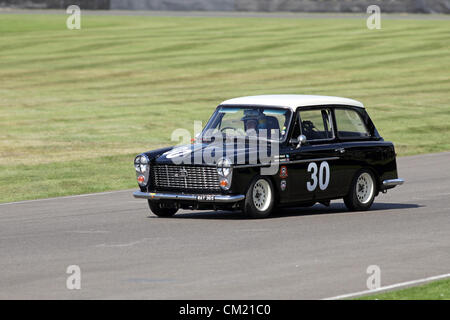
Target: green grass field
x,y
437,290
77,105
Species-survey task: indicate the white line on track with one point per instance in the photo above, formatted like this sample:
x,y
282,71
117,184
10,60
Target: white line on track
x,y
393,286
67,197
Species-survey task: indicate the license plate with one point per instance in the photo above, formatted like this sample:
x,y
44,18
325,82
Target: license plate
x,y
205,198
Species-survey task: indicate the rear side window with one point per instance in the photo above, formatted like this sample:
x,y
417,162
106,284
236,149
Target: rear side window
x,y
350,124
316,124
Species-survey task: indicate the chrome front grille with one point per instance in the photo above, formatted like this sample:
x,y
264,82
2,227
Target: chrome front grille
x,y
189,178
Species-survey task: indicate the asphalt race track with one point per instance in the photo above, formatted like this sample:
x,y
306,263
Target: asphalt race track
x,y
298,254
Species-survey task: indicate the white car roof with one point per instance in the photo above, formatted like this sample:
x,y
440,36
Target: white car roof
x,y
291,101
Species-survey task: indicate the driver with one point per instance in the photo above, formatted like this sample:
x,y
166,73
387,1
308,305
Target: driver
x,y
253,119
251,125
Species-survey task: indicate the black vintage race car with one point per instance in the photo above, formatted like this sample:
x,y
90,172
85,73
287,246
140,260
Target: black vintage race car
x,y
262,152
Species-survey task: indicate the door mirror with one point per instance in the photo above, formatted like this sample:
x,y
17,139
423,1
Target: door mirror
x,y
299,141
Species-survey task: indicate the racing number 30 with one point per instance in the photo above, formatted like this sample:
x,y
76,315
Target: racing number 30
x,y
324,176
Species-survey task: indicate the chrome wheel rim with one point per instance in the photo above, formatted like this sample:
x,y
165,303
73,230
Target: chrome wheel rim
x,y
262,195
364,188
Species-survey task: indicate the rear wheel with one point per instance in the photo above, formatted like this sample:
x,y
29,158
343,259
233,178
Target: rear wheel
x,y
362,191
260,198
161,212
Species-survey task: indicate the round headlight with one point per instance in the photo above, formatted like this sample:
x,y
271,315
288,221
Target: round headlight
x,y
144,160
224,167
137,163
141,163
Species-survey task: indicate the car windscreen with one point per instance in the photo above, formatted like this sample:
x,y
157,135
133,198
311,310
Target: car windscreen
x,y
249,121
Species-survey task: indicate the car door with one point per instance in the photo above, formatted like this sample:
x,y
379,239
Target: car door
x,y
315,166
357,140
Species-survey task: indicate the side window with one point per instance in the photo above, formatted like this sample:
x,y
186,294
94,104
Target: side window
x,y
350,124
316,124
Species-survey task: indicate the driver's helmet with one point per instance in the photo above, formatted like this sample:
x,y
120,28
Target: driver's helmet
x,y
254,119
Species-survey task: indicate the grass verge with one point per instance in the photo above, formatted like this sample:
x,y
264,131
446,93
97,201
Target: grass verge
x,y
437,290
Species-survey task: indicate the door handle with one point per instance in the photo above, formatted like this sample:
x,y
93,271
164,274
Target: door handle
x,y
340,150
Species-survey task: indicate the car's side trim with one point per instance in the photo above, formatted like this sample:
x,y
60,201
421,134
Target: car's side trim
x,y
311,160
393,182
189,197
285,162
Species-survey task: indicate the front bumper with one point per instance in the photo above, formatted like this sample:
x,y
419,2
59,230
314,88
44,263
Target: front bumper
x,y
217,198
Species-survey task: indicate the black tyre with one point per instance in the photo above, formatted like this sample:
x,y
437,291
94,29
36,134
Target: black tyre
x,y
260,198
362,191
161,212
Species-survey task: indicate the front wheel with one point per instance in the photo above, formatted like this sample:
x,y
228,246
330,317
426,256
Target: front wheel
x,y
161,212
362,192
260,198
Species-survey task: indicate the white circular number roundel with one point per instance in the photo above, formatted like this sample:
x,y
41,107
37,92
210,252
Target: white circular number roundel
x,y
324,176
